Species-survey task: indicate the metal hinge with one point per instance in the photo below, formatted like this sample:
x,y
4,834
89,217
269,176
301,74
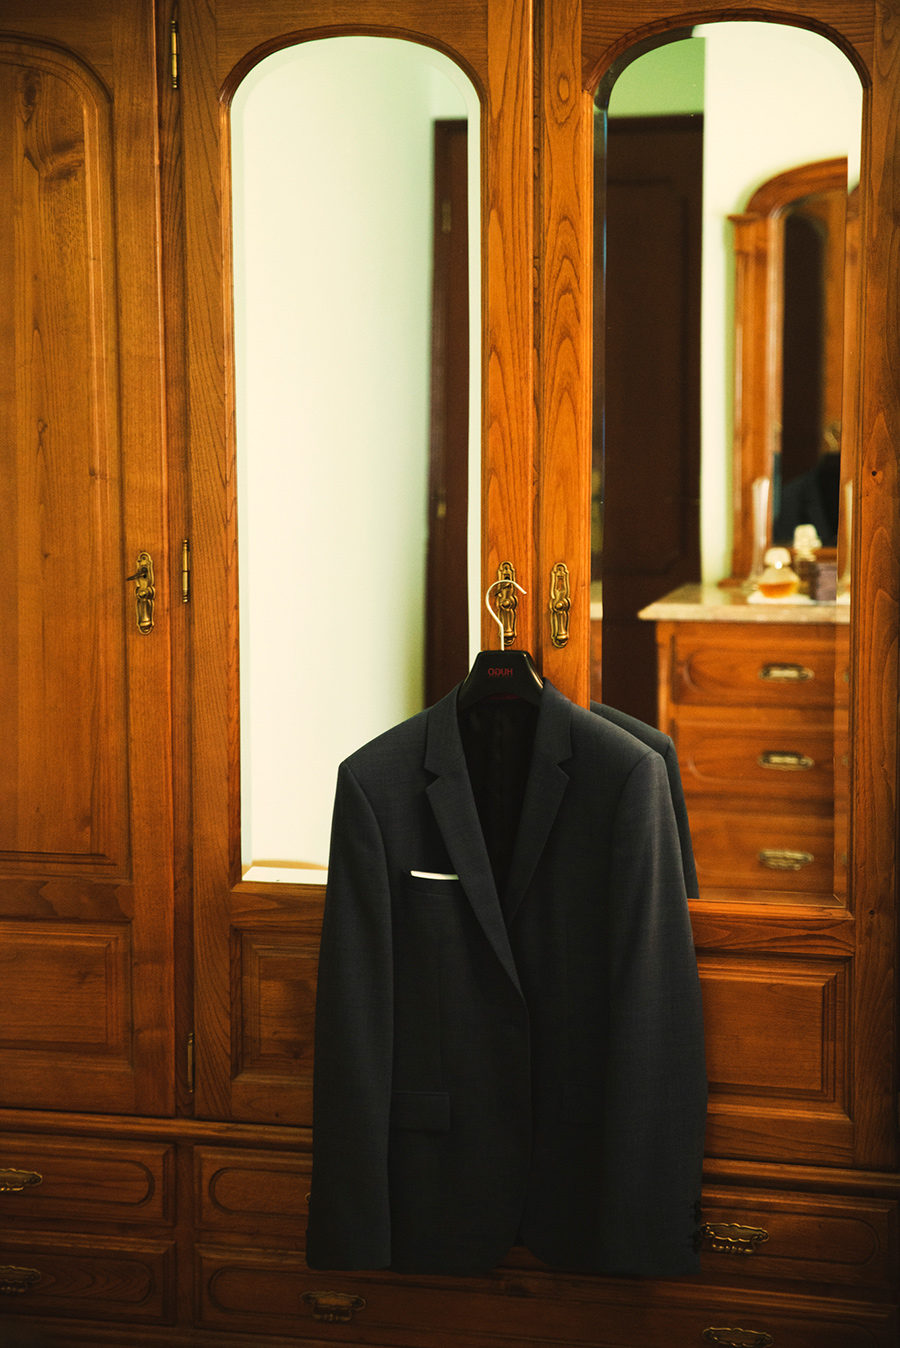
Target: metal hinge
x,y
174,54
185,570
189,1062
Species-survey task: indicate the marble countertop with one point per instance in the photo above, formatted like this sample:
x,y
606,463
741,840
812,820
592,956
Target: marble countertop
x,y
711,603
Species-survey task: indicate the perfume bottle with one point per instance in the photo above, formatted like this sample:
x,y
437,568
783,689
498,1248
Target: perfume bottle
x,y
779,580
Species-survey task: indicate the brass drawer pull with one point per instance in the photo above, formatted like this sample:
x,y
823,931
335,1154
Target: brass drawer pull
x,y
729,1238
782,859
786,673
15,1281
786,760
14,1181
335,1308
739,1338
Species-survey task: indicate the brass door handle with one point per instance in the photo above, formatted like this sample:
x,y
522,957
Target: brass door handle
x,y
14,1181
144,592
16,1281
336,1308
729,1238
507,602
560,604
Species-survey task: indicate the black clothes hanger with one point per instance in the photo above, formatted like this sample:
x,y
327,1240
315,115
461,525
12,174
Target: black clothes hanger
x,y
500,673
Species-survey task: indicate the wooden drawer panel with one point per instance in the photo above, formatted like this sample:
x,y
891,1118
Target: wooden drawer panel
x,y
782,762
272,1292
851,1241
778,1056
763,669
750,851
51,1177
110,1279
776,1030
257,1191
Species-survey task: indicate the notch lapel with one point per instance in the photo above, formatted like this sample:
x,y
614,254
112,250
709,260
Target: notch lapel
x,y
453,803
544,790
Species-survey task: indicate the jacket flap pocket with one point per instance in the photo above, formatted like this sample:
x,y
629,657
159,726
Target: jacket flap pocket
x,y
427,1111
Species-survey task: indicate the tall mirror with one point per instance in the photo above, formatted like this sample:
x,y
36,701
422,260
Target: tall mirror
x,y
689,136
796,293
356,203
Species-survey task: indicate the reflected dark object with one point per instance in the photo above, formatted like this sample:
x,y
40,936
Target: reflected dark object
x,y
811,498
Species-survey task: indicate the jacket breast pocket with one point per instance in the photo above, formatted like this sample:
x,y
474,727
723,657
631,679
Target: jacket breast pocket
x,y
421,1111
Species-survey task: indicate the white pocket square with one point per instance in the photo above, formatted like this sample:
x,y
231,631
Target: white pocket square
x,y
432,875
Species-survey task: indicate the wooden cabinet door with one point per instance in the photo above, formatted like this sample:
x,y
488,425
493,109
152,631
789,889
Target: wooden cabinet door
x,y
256,942
799,1003
85,739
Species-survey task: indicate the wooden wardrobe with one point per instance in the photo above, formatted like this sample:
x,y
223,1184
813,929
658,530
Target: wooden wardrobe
x,y
155,1008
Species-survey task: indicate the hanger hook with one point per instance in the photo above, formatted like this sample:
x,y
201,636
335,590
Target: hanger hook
x,y
487,603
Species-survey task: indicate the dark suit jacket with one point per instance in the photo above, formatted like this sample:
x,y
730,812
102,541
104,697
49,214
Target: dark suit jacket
x,y
664,745
518,1068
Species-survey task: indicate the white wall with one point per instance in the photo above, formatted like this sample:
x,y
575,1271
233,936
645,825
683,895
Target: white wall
x,y
332,171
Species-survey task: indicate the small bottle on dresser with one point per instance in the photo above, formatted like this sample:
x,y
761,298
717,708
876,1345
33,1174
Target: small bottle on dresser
x,y
779,580
806,541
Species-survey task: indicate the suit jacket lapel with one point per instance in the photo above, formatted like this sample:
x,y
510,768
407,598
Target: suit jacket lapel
x,y
547,782
453,803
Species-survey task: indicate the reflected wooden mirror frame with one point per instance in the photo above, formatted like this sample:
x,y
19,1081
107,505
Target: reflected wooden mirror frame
x,y
759,237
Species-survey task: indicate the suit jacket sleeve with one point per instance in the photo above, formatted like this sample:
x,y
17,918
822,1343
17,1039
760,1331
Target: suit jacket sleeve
x,y
349,1215
656,1075
670,758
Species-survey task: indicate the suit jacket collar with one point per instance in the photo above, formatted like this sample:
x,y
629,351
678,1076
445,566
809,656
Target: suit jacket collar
x,y
453,803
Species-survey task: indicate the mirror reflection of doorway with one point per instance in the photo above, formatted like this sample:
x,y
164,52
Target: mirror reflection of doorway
x,y
651,431
446,590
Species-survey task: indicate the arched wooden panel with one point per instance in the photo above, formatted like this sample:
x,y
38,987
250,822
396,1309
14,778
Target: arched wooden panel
x,y
62,654
85,717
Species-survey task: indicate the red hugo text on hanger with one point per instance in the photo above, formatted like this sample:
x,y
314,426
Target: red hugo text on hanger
x,y
500,673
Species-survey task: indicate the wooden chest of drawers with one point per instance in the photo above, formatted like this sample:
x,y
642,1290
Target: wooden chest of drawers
x,y
754,709
96,1242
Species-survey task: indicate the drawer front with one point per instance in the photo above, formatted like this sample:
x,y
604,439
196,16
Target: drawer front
x,y
274,1293
264,1192
775,853
113,1279
783,761
771,669
850,1241
51,1177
